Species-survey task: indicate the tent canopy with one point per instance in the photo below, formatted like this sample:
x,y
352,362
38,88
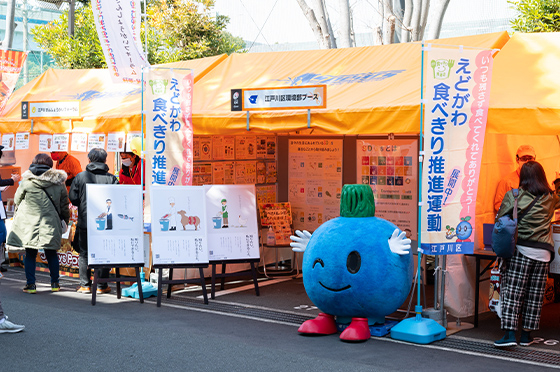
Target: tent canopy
x,y
370,90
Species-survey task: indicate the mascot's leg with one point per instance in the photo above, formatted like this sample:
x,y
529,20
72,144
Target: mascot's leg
x,y
324,324
358,330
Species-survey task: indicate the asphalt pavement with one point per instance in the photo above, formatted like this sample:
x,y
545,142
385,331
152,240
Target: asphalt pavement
x,y
237,331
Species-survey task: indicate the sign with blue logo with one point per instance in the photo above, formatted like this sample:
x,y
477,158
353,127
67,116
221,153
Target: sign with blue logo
x,y
284,98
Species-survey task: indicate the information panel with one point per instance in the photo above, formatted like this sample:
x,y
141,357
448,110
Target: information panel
x,y
114,224
232,228
178,225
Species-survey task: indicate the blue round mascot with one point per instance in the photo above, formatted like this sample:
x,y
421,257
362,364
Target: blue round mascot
x,y
356,266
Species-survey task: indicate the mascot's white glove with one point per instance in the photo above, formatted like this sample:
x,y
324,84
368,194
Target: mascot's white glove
x,y
299,242
398,243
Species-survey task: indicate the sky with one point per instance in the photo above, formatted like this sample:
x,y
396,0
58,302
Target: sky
x,y
282,21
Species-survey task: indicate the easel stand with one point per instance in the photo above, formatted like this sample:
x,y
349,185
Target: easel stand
x,y
117,279
171,281
224,275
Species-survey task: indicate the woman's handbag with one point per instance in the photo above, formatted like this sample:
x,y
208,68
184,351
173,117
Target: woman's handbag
x,y
63,223
504,235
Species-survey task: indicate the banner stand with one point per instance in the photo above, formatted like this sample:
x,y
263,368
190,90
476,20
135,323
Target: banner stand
x,y
117,279
224,275
170,282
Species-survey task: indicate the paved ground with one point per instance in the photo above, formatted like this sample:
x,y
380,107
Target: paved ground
x,y
236,332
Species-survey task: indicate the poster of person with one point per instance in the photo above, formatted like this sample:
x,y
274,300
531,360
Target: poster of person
x,y
22,141
231,211
45,142
115,224
178,225
60,142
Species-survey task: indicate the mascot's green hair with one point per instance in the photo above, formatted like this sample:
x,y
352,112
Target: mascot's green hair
x,y
357,201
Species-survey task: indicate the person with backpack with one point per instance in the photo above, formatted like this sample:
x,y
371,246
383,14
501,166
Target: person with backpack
x,y
524,278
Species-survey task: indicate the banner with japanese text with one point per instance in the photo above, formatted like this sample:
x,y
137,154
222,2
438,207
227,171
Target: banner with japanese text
x,y
11,63
456,107
169,131
118,28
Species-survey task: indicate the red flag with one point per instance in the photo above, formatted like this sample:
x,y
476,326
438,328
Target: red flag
x,y
11,62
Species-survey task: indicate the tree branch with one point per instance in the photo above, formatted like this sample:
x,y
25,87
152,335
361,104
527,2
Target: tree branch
x,y
315,26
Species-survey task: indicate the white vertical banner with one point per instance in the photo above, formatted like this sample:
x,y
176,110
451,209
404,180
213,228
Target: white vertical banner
x,y
118,28
457,96
169,132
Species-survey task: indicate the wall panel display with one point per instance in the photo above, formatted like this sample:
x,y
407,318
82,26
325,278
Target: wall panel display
x,y
178,225
390,167
314,181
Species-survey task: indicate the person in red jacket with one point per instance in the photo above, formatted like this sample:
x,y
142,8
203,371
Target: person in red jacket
x,y
67,163
130,173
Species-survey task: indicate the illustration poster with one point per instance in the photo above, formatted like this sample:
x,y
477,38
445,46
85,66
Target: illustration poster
x,y
114,223
22,141
390,167
314,181
96,140
203,149
232,226
60,141
8,141
115,141
79,142
178,225
45,142
202,174
246,147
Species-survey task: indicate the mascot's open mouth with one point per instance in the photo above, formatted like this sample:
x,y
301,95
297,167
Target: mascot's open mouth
x,y
335,290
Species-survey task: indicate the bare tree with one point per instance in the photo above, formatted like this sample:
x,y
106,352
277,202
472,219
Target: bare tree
x,y
388,22
344,36
315,26
10,26
439,9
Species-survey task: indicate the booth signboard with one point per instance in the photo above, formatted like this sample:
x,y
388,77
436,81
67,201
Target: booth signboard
x,y
284,98
178,225
45,142
114,224
51,109
60,142
314,181
390,167
22,141
232,228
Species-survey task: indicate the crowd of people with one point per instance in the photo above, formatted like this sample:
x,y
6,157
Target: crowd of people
x,y
42,201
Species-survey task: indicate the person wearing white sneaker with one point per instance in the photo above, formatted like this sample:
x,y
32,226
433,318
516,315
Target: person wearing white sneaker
x,y
6,326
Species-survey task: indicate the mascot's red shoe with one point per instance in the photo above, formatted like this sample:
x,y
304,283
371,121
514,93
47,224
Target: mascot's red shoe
x,y
358,330
324,324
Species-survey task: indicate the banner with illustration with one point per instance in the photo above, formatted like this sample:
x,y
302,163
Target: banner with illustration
x,y
169,132
11,63
456,107
118,28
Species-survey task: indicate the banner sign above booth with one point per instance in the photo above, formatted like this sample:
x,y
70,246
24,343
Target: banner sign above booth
x,y
457,92
282,98
11,63
50,109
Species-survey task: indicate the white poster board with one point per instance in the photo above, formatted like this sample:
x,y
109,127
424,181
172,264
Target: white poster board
x,y
22,141
60,142
178,225
79,142
8,141
115,141
232,229
45,142
114,224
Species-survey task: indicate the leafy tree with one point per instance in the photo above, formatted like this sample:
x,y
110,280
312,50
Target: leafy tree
x,y
177,30
536,15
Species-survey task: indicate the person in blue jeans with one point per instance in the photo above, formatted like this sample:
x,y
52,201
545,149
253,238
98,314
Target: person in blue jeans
x,y
42,201
4,182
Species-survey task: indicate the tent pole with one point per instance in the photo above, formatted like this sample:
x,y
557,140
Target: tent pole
x,y
248,120
308,118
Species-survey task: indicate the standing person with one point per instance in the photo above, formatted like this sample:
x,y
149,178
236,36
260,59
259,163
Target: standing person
x,y
41,201
130,173
3,233
67,163
96,172
524,154
524,280
6,326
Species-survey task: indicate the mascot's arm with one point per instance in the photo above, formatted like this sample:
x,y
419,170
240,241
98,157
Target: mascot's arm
x,y
299,242
398,243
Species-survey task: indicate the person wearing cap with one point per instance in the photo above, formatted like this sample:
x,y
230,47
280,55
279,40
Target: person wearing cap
x,y
3,233
524,154
67,163
130,173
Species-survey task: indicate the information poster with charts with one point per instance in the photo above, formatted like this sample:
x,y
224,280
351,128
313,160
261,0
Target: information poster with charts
x,y
114,224
178,225
232,228
314,181
390,167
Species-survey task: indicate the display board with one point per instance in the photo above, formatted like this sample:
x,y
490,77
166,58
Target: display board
x,y
314,181
231,226
178,225
390,167
277,216
114,224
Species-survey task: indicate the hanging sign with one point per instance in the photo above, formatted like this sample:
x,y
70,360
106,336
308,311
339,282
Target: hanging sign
x,y
50,109
22,141
11,63
457,92
282,98
45,142
79,142
60,142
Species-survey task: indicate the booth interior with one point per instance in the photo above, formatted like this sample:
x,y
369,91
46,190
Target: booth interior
x,y
367,134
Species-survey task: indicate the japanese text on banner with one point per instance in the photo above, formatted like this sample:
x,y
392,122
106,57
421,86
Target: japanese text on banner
x,y
457,92
11,63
